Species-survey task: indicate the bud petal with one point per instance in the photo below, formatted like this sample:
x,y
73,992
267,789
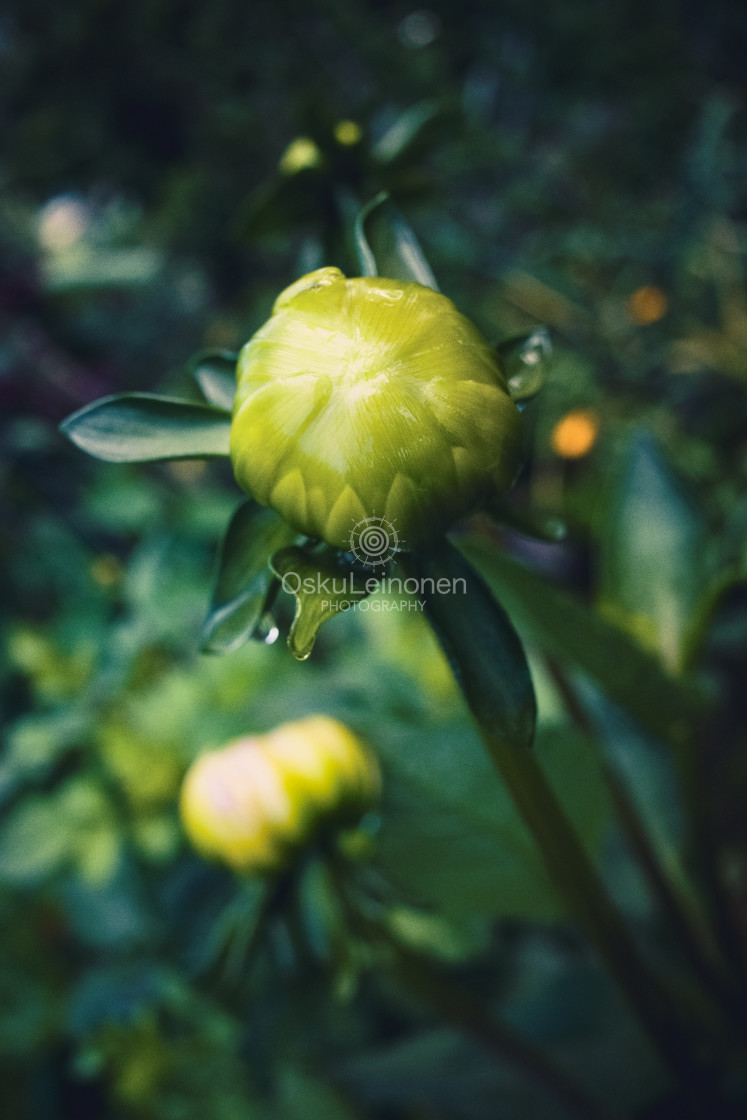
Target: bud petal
x,y
255,802
368,396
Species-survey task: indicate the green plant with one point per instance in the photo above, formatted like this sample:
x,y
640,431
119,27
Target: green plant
x,y
686,1013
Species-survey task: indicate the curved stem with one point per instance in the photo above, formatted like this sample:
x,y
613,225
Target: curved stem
x,y
659,1009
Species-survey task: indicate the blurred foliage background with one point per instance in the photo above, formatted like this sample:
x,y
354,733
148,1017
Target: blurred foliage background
x,y
166,168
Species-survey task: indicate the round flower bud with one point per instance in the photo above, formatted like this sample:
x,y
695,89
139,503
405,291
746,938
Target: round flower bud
x,y
255,802
366,398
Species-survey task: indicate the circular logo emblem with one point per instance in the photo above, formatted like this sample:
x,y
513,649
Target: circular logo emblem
x,y
374,541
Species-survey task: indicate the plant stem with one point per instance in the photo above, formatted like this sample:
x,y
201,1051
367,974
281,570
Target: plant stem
x,y
456,1005
694,938
567,862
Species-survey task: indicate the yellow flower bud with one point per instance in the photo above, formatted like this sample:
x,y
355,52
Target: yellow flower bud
x,y
348,133
366,398
300,155
255,802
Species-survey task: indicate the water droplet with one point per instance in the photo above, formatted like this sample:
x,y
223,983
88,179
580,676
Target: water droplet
x,y
526,360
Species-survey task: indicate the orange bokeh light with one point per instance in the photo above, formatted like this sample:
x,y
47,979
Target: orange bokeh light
x,y
647,305
575,434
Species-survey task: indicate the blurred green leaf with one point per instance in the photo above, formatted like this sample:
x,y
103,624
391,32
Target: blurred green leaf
x,y
403,131
82,268
442,1074
396,249
36,741
244,576
452,838
566,628
652,551
142,427
366,259
34,841
215,373
302,1095
117,993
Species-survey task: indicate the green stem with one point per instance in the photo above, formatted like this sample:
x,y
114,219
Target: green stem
x,y
456,1005
245,930
698,946
568,865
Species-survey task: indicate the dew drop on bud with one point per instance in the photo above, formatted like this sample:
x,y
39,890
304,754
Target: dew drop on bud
x,y
526,360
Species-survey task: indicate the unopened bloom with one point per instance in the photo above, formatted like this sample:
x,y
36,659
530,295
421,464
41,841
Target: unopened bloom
x,y
255,802
371,397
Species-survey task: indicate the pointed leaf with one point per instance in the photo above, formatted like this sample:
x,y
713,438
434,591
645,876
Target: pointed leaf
x,y
401,134
568,629
244,582
412,263
215,373
366,259
482,646
652,554
323,587
526,361
143,427
396,251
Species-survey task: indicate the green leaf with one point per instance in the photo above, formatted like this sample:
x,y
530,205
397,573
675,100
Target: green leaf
x,y
323,587
244,579
404,130
302,1095
366,259
215,373
396,251
482,646
566,628
143,427
453,839
651,552
35,841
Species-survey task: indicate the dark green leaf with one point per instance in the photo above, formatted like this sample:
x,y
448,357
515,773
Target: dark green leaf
x,y
482,646
566,628
142,427
244,579
215,373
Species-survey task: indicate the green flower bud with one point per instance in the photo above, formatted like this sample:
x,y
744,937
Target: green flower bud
x,y
368,398
255,802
